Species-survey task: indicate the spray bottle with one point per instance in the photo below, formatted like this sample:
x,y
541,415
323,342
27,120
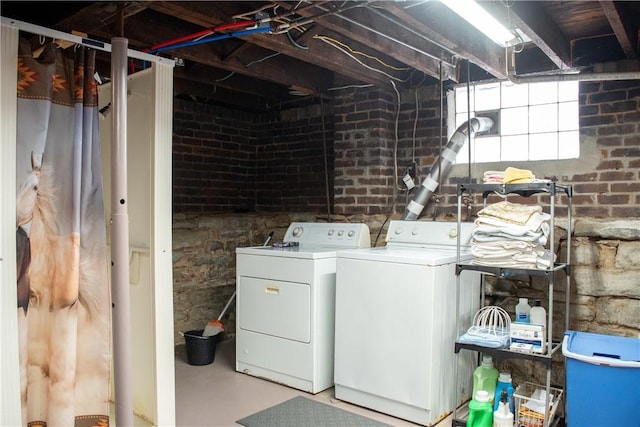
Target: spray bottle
x,y
503,417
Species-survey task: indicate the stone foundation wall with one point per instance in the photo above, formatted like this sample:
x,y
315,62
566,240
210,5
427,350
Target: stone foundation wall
x,y
604,292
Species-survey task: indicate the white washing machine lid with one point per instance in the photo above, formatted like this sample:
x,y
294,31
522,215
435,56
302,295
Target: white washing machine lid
x,y
298,252
405,255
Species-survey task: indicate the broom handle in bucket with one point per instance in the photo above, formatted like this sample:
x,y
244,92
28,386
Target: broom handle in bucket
x,y
224,310
266,242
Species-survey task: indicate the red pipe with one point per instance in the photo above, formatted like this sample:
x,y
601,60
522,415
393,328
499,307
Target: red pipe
x,y
180,39
233,26
202,33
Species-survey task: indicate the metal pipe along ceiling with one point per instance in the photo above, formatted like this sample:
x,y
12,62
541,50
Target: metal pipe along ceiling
x,y
442,165
566,77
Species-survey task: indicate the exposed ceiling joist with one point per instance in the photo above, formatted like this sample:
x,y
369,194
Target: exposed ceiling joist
x,y
400,45
624,28
450,32
320,55
322,45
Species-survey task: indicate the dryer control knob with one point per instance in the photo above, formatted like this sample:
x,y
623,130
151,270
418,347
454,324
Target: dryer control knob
x,y
351,233
453,232
297,232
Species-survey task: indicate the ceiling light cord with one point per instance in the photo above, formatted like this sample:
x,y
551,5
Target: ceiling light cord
x,y
396,187
326,162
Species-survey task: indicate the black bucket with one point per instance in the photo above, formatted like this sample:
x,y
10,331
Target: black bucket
x,y
200,350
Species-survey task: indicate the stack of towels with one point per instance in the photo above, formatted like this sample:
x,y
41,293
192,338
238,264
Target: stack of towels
x,y
510,176
512,235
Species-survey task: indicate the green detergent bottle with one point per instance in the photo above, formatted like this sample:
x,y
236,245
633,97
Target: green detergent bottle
x,y
485,377
480,410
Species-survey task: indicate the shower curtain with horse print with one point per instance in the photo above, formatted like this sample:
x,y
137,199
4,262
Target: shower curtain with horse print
x,y
64,312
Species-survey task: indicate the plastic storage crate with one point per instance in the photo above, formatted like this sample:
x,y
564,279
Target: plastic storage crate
x,y
530,402
603,369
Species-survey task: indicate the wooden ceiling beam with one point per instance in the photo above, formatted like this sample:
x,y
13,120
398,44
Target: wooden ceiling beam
x,y
625,30
140,32
362,26
320,55
314,79
446,29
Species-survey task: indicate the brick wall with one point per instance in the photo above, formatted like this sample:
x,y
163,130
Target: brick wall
x,y
213,158
364,151
294,160
610,116
233,161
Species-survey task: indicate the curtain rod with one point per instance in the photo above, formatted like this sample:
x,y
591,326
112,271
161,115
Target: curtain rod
x,y
94,44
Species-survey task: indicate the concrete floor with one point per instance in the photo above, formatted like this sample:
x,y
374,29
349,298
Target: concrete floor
x,y
217,395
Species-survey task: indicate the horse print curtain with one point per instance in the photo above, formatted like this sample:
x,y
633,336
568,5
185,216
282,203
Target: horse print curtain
x,y
64,313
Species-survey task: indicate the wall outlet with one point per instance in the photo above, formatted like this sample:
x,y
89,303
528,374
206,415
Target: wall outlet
x,y
412,170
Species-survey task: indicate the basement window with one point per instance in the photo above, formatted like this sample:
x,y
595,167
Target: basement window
x,y
535,121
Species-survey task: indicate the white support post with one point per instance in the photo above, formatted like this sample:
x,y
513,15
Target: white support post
x,y
120,238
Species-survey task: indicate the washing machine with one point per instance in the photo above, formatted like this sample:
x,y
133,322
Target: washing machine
x,y
395,322
286,304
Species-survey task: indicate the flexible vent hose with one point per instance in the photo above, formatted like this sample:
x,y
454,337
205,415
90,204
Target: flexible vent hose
x,y
443,164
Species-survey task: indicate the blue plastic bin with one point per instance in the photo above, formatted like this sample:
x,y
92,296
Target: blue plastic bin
x,y
603,380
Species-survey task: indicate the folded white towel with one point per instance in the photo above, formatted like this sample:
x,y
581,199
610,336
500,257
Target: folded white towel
x,y
514,213
534,223
519,260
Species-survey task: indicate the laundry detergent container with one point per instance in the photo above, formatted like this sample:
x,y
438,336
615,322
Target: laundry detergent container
x,y
604,371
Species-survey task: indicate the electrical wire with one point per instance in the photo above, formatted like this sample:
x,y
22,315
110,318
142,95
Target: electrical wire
x,y
228,76
469,117
295,43
351,87
327,40
415,127
326,163
287,27
396,187
437,196
253,12
366,55
392,208
257,61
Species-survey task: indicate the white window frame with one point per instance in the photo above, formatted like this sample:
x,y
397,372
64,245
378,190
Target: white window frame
x,y
514,139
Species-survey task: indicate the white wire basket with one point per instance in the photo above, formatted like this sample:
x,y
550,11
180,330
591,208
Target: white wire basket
x,y
490,328
530,403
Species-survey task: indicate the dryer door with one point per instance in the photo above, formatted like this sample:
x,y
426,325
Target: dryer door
x,y
277,308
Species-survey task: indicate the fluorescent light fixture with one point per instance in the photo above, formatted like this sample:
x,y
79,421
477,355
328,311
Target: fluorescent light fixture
x,y
475,15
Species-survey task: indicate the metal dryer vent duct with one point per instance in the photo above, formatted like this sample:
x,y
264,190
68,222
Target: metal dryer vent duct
x,y
441,167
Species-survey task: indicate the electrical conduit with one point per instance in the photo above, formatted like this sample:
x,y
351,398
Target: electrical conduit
x,y
443,164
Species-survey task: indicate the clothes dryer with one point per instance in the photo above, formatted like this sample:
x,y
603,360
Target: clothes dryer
x,y
286,304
